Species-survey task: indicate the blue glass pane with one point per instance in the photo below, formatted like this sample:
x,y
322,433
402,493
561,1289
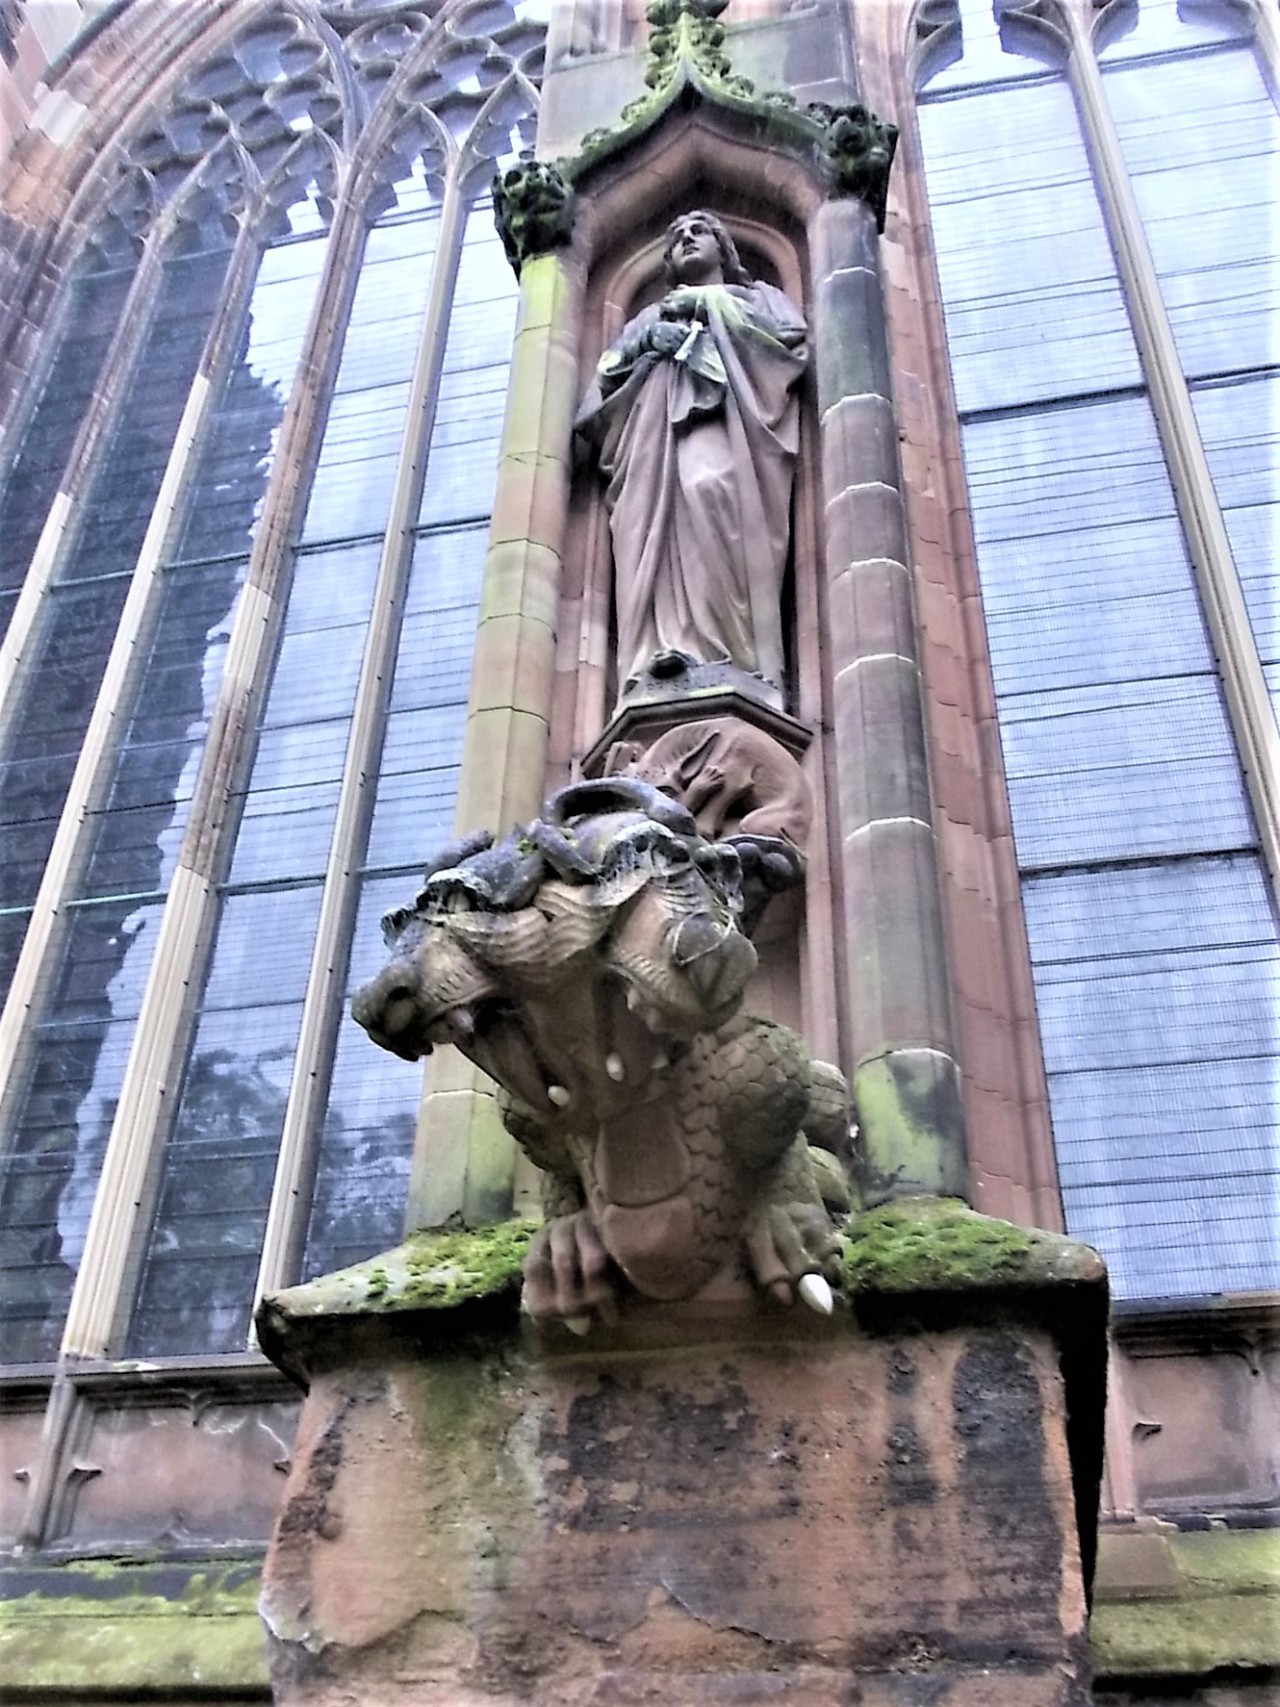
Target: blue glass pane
x,y
422,748
293,788
71,1074
1159,996
1161,26
463,461
983,58
1240,426
201,1254
1032,302
363,1174
351,491
1115,739
234,463
1202,141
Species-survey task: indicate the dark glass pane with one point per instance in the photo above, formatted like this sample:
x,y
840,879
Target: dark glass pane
x,y
138,831
79,621
71,1086
77,630
118,506
1159,995
1201,138
40,460
1033,304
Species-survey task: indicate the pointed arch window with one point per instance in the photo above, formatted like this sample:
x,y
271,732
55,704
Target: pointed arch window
x,y
297,320
1081,295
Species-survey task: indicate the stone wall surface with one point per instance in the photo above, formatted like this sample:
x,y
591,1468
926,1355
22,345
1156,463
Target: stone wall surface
x,y
795,1512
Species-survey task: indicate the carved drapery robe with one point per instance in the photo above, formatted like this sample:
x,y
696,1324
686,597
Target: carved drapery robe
x,y
698,448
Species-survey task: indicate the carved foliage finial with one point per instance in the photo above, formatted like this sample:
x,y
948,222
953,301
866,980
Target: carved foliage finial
x,y
689,30
860,149
533,209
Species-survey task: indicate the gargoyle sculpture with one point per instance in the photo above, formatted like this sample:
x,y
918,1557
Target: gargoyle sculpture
x,y
593,963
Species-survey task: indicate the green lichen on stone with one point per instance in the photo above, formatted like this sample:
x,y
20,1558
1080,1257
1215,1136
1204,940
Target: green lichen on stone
x,y
110,1621
909,1111
436,1269
1205,1602
939,1244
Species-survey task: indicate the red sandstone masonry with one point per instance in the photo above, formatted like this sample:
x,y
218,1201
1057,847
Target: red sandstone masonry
x,y
797,1514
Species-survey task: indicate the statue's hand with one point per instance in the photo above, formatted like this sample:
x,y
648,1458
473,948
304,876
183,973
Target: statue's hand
x,y
665,337
567,1274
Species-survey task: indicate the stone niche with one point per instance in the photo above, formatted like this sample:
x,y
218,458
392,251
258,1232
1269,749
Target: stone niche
x,y
886,1505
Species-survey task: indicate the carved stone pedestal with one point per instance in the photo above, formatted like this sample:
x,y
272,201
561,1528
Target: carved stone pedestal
x,y
880,1507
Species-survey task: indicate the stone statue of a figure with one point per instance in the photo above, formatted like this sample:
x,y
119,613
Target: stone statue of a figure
x,y
694,420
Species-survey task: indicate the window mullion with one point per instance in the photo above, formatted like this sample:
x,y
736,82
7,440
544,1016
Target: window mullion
x,y
308,1089
1248,704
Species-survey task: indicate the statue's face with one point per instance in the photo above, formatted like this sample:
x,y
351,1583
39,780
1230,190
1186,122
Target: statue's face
x,y
693,250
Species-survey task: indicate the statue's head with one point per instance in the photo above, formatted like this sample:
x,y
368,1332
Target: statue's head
x,y
686,235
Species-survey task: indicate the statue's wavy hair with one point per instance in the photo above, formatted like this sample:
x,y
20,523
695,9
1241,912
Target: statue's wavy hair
x,y
730,261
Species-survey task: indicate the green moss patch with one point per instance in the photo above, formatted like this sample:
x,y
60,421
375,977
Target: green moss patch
x,y
939,1244
433,1270
131,1628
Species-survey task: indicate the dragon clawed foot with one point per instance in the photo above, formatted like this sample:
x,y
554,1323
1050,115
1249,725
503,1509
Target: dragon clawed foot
x,y
568,1274
793,1250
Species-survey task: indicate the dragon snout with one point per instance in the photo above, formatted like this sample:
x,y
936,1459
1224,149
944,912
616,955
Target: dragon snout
x,y
389,1008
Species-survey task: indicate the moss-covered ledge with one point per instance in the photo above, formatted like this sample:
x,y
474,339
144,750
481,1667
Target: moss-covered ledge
x,y
1170,1604
131,1631
439,1280
938,1244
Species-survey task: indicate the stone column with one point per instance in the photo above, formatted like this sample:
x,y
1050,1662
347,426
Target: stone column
x,y
904,1074
464,1162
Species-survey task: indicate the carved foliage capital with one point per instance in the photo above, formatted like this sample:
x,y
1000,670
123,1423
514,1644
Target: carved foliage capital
x,y
533,207
859,149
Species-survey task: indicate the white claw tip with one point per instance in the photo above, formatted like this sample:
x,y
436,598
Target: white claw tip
x,y
661,1062
613,1066
578,1324
816,1294
559,1095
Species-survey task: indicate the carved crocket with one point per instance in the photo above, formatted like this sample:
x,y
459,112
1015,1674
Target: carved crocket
x,y
594,965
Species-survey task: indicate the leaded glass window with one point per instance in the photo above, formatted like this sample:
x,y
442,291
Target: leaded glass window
x,y
1150,912
253,474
